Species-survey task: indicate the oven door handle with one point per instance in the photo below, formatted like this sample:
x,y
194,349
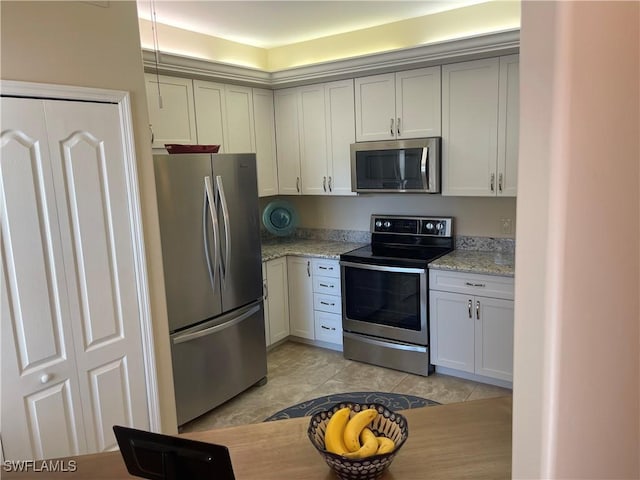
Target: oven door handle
x,y
382,268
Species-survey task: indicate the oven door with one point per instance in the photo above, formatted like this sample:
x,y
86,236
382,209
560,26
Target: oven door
x,y
385,301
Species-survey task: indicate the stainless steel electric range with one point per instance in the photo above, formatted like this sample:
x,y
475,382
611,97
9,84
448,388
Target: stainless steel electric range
x,y
385,291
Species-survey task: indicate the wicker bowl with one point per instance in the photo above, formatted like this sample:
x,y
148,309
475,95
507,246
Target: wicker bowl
x,y
388,424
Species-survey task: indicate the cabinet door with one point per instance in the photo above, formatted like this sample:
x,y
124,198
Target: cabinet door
x,y
240,136
313,141
470,127
265,294
301,320
375,107
175,121
265,132
509,126
277,299
287,141
341,127
452,330
210,106
494,338
418,105
41,403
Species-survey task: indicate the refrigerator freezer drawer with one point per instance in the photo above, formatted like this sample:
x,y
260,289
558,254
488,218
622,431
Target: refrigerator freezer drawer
x,y
217,361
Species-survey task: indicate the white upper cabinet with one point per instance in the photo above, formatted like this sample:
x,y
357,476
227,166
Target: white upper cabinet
x,y
341,133
175,120
314,129
224,116
287,141
265,132
480,127
398,105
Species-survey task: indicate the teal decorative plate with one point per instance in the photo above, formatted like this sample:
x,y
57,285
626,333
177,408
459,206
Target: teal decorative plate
x,y
280,218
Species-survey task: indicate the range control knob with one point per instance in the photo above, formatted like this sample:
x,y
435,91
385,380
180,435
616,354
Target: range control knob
x,y
387,224
378,223
439,226
429,226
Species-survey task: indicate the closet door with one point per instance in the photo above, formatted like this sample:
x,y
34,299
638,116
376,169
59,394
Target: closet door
x,y
72,363
88,163
41,406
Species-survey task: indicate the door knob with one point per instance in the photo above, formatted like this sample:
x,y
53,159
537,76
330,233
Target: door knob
x,y
44,378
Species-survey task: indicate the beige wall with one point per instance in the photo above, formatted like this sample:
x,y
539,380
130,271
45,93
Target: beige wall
x,y
577,320
473,215
78,43
477,19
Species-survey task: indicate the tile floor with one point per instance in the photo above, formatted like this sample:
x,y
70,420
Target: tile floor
x,y
297,372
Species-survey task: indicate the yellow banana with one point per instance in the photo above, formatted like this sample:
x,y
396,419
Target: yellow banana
x,y
333,441
385,445
355,426
368,448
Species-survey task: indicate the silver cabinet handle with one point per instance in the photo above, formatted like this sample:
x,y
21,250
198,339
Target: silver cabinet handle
x,y
477,310
308,268
265,287
322,267
500,183
470,284
298,184
326,285
391,127
324,183
327,303
153,135
330,186
398,126
469,307
493,182
327,328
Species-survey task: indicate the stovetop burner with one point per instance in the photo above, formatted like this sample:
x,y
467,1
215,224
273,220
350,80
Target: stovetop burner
x,y
403,240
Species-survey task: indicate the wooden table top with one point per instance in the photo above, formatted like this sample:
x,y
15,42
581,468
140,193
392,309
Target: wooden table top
x,y
454,441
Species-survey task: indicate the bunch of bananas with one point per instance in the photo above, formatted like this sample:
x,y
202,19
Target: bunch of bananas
x,y
351,437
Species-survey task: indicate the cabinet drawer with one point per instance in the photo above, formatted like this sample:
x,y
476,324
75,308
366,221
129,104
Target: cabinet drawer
x,y
328,327
471,283
326,268
327,303
326,285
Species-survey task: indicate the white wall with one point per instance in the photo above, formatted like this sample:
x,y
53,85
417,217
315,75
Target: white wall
x,y
577,330
97,45
475,216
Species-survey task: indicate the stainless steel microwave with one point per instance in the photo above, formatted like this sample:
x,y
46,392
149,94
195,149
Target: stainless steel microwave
x,y
408,166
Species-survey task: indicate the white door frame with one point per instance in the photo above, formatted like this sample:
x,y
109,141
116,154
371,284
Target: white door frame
x,y
122,99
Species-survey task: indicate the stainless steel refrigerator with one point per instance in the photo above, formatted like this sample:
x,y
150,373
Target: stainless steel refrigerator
x,y
210,234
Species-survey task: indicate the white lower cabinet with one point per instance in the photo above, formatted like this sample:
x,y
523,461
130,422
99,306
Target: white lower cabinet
x,y
276,300
327,301
301,322
470,331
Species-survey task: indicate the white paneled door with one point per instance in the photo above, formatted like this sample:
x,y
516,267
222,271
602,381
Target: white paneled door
x,y
72,357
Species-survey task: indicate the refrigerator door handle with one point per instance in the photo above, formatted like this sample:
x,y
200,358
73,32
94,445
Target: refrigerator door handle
x,y
227,227
216,328
208,202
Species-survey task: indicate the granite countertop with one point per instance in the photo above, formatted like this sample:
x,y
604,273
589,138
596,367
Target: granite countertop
x,y
275,248
475,261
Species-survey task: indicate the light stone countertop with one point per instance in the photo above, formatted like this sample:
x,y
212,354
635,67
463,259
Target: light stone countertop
x,y
275,248
475,261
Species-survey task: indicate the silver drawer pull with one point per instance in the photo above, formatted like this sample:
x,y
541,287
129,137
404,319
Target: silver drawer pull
x,y
325,268
326,286
326,303
469,284
327,328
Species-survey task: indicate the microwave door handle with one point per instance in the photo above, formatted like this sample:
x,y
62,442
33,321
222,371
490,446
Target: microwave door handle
x,y
423,168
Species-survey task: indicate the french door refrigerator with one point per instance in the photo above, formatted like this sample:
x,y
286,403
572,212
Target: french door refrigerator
x,y
210,234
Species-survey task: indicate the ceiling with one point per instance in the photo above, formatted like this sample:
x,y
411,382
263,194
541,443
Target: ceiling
x,y
269,24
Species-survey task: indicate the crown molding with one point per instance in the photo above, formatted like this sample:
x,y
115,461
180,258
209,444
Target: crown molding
x,y
439,53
